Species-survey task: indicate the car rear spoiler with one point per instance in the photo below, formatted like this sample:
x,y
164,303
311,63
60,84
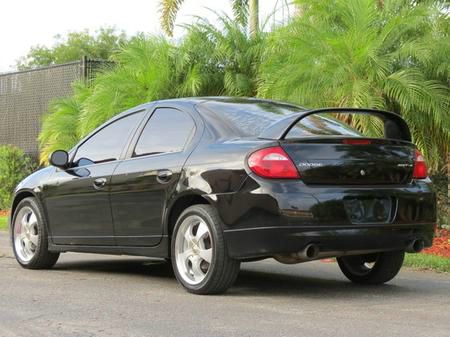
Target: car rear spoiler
x,y
395,126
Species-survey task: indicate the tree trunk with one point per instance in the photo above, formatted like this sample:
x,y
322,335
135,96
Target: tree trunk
x,y
253,10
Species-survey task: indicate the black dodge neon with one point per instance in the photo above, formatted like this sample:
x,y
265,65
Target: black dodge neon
x,y
213,182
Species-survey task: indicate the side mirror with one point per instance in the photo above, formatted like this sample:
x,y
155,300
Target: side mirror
x,y
60,158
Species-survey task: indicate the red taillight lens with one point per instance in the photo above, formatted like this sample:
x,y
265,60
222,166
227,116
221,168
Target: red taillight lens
x,y
272,162
420,167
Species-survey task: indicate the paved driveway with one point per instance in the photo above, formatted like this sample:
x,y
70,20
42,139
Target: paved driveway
x,y
90,295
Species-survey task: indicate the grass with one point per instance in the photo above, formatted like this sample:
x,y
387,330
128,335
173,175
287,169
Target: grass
x,y
426,261
3,223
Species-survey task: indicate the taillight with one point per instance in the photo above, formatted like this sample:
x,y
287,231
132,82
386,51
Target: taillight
x,y
420,167
272,162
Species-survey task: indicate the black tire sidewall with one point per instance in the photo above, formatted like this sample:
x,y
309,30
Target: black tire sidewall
x,y
42,232
215,237
386,267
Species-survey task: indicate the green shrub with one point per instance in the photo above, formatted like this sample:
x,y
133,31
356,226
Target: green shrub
x,y
14,166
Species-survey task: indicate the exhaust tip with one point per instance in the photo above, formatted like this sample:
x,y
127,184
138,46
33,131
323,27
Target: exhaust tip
x,y
416,246
311,251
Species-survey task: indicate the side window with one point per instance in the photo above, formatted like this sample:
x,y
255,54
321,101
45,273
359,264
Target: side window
x,y
168,130
107,144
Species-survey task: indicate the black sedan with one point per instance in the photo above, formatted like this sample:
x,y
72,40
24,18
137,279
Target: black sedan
x,y
213,182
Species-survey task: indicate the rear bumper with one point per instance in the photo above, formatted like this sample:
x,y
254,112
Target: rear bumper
x,y
268,217
332,241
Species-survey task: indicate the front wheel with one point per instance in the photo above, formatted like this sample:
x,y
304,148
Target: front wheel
x,y
199,256
371,268
30,238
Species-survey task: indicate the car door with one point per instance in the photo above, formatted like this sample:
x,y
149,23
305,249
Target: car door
x,y
77,199
142,183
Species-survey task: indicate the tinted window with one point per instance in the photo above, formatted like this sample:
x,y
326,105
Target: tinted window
x,y
317,125
108,143
250,118
168,130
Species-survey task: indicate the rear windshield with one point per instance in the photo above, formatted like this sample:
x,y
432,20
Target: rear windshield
x,y
252,118
319,125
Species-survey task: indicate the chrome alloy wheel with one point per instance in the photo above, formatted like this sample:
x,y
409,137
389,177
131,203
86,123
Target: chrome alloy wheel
x,y
26,234
193,249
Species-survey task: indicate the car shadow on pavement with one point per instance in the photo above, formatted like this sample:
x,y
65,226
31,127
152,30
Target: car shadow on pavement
x,y
251,283
133,267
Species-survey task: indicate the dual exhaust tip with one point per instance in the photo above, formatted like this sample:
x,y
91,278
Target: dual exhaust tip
x,y
312,252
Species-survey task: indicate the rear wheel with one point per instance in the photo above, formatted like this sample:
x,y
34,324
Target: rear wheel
x,y
371,268
30,238
199,256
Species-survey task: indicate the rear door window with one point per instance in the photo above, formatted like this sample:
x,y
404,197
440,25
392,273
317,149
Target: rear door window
x,y
168,130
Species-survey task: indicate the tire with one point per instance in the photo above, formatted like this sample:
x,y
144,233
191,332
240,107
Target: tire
x,y
192,247
29,236
385,267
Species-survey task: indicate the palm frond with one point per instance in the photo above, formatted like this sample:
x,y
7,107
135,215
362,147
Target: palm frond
x,y
240,11
168,14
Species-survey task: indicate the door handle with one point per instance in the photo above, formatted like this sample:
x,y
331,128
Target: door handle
x,y
99,183
164,176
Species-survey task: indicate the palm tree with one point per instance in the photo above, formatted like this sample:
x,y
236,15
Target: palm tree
x,y
60,127
243,10
207,61
356,53
226,58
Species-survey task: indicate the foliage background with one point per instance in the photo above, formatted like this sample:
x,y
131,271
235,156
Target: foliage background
x,y
100,44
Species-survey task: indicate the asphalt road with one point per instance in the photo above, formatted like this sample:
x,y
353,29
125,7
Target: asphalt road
x,y
93,295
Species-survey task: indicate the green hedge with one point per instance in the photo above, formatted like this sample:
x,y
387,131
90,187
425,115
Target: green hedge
x,y
14,166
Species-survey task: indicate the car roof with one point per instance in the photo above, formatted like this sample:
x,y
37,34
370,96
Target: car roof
x,y
193,101
226,99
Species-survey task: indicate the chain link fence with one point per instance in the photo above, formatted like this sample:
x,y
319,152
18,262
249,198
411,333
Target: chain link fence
x,y
25,96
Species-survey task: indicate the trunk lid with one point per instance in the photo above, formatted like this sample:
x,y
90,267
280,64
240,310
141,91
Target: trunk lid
x,y
352,161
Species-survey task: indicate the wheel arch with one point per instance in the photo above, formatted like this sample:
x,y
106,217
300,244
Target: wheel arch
x,y
179,205
19,196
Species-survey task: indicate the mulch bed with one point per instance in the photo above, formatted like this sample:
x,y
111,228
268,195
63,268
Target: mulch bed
x,y
441,244
4,213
